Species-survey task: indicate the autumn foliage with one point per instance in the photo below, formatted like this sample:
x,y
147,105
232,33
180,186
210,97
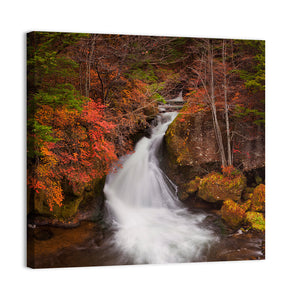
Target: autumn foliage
x,y
80,154
74,137
89,94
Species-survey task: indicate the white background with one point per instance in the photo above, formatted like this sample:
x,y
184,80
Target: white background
x,y
275,21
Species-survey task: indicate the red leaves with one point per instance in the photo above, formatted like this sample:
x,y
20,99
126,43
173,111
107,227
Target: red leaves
x,y
81,153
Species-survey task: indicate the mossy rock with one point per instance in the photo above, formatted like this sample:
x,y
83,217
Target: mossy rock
x,y
71,201
258,199
178,147
215,187
249,190
255,220
232,213
247,193
246,205
193,185
258,179
66,210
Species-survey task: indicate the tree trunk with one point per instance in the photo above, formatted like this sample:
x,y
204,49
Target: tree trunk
x,y
226,106
214,110
88,66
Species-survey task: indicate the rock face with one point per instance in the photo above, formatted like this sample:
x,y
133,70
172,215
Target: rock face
x,y
190,147
190,142
192,161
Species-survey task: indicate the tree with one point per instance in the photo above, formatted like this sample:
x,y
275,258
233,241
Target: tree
x,y
204,69
229,154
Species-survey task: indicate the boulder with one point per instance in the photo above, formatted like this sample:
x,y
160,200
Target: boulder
x,y
255,220
192,186
232,213
215,187
258,199
75,204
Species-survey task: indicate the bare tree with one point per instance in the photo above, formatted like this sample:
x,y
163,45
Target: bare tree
x,y
213,104
229,154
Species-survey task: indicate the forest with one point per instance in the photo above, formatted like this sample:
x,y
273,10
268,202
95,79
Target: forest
x,y
92,97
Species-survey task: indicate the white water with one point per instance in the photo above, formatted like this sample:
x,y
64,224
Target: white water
x,y
151,226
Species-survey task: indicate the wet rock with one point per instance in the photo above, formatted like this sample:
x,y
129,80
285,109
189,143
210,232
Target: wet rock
x,y
182,195
42,234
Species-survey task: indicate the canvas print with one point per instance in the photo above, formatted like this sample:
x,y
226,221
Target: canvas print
x,y
144,149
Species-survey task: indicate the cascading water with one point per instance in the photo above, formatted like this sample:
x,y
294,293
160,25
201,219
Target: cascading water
x,y
150,224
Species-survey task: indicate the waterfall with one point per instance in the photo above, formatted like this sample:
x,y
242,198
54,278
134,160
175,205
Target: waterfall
x,y
150,223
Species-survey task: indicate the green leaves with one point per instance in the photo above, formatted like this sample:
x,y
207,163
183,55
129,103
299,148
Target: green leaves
x,y
258,116
39,134
254,74
159,98
62,94
45,57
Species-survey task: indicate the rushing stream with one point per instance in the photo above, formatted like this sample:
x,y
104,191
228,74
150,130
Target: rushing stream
x,y
150,225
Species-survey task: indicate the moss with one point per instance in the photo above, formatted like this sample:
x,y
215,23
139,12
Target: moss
x,y
255,220
193,185
72,200
258,198
246,205
258,180
215,187
66,210
249,190
176,138
232,213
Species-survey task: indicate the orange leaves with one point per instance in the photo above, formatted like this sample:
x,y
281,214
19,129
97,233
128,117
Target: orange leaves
x,y
53,193
80,153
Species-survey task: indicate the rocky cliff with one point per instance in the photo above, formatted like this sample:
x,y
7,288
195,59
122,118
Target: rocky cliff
x,y
190,147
